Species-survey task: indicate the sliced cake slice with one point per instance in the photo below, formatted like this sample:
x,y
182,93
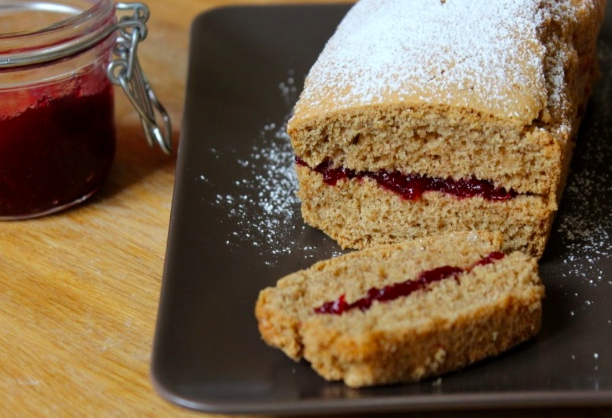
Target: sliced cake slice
x,y
403,312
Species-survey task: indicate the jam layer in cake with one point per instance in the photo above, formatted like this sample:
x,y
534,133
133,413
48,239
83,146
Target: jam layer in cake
x,y
412,186
358,213
403,289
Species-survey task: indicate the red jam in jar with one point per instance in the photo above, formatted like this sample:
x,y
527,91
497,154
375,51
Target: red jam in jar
x,y
57,133
58,150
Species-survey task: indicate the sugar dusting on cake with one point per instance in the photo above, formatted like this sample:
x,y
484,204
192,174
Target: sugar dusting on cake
x,y
466,51
481,54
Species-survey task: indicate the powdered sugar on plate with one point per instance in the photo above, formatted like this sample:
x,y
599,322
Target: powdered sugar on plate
x,y
263,205
584,223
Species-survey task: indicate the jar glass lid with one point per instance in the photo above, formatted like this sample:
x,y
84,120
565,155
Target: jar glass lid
x,y
26,17
32,32
23,17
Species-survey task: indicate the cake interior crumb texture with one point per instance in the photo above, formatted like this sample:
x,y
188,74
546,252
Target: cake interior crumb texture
x,y
447,326
493,90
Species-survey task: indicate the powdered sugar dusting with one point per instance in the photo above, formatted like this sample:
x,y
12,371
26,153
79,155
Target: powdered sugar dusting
x,y
478,53
288,88
584,223
263,205
559,54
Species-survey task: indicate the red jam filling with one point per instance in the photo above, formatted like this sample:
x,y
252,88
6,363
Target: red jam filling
x,y
402,289
412,186
55,150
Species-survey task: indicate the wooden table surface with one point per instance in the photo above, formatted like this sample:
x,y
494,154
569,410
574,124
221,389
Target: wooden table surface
x,y
79,290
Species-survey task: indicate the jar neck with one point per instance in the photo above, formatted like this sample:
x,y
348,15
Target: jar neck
x,y
37,33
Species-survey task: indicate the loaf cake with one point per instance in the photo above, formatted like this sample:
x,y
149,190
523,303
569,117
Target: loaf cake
x,y
424,117
402,312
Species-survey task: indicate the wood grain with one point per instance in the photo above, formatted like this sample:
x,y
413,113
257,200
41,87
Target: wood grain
x,y
79,290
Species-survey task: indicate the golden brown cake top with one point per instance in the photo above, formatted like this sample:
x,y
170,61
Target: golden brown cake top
x,y
479,55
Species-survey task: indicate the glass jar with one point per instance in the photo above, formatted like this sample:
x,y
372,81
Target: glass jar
x,y
57,129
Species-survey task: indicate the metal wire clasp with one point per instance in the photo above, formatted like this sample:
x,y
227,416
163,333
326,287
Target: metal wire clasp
x,y
125,71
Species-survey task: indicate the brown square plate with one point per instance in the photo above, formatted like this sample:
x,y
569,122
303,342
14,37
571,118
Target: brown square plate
x,y
236,228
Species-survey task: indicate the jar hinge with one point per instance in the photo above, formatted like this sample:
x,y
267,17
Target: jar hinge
x,y
125,71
